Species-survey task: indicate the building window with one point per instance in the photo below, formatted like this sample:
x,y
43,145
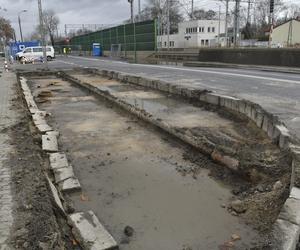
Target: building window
x,y
172,43
201,29
206,42
208,29
202,42
165,44
213,29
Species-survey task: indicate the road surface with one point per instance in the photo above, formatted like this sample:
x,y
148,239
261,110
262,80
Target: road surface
x,y
278,93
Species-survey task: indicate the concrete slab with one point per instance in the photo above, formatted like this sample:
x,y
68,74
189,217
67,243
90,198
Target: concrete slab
x,y
43,128
58,160
55,195
287,235
62,174
70,185
49,143
90,233
295,193
53,133
290,211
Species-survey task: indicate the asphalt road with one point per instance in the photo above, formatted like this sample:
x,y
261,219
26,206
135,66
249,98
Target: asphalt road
x,y
278,93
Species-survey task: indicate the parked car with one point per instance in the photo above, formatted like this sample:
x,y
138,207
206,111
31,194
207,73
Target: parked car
x,y
35,53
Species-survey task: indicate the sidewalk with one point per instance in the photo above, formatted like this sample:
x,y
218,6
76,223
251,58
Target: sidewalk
x,y
7,119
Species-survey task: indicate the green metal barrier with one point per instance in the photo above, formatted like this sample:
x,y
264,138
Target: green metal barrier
x,y
132,37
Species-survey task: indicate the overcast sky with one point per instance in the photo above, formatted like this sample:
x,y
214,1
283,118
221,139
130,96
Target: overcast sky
x,y
81,11
69,11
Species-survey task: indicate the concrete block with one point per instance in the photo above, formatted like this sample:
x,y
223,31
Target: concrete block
x,y
284,137
70,185
133,79
259,119
271,131
210,98
49,143
164,86
248,110
55,195
241,106
53,133
90,233
265,123
43,128
145,82
58,160
38,119
295,193
62,174
286,235
291,211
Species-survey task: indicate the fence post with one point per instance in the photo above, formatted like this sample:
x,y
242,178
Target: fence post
x,y
155,34
125,45
134,36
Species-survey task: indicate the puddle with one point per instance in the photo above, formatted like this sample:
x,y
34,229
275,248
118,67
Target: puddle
x,y
171,110
128,173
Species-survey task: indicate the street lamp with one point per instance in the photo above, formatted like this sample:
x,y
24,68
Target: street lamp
x,y
19,19
131,10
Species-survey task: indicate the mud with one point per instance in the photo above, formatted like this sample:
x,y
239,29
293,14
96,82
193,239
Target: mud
x,y
134,175
37,223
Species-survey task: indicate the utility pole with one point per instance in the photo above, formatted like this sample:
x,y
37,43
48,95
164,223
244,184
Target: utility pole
x,y
192,10
226,22
248,11
140,10
131,10
42,27
271,21
237,23
219,26
20,26
168,23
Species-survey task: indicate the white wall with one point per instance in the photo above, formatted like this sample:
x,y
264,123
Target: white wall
x,y
194,34
280,35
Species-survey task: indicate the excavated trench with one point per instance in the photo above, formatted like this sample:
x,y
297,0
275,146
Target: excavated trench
x,y
170,194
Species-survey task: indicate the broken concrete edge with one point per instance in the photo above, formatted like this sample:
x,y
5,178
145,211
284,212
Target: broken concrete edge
x,y
66,183
264,121
286,228
269,123
90,233
56,195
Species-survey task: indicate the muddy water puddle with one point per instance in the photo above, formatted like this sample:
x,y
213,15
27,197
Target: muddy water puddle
x,y
174,111
128,173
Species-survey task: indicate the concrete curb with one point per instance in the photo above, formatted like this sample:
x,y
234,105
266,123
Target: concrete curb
x,y
90,232
241,66
87,229
264,120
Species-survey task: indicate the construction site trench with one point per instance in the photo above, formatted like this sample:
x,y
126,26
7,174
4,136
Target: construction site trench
x,y
170,193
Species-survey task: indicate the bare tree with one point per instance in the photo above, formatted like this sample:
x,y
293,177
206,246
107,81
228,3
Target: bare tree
x,y
51,22
6,31
158,10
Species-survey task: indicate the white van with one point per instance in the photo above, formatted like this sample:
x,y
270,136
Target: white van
x,y
34,53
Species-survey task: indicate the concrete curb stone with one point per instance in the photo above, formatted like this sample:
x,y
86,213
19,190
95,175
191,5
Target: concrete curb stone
x,y
90,232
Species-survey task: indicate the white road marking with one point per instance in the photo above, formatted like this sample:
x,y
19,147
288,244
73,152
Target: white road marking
x,y
198,71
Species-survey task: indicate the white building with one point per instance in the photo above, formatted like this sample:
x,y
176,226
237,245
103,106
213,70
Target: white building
x,y
194,34
287,34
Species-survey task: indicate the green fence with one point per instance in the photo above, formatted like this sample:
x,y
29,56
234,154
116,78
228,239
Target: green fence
x,y
132,37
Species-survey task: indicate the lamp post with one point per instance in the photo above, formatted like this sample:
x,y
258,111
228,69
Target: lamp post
x,y
20,26
42,30
131,10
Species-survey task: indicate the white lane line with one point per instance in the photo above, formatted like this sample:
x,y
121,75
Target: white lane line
x,y
199,71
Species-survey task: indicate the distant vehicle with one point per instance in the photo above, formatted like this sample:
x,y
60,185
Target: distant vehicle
x,y
34,53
